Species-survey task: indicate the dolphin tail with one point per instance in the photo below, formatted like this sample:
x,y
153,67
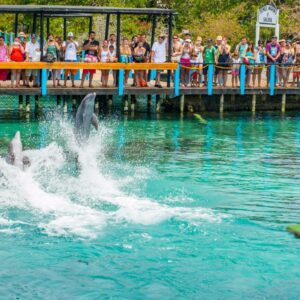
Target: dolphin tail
x,y
95,121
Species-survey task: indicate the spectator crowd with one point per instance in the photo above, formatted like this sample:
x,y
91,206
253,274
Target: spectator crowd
x,y
194,57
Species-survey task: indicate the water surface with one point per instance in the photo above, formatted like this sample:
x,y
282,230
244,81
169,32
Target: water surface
x,y
157,207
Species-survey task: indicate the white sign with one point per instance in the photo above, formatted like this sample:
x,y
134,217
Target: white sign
x,y
268,15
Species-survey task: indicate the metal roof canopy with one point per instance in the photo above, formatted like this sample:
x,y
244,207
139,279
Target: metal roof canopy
x,y
60,9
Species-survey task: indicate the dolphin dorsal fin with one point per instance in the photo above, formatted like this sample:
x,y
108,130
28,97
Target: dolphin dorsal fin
x,y
95,121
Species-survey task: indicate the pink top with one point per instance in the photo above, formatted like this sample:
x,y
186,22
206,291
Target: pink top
x,y
3,53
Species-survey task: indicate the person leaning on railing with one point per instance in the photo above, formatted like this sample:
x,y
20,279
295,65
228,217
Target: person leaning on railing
x,y
209,58
51,48
91,47
104,58
16,53
259,62
126,56
296,70
33,54
70,47
287,55
139,56
273,51
4,57
158,55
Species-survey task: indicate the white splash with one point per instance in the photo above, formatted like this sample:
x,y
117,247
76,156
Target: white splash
x,y
80,204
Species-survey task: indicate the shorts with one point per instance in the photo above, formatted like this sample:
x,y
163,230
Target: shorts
x,y
296,74
29,73
235,72
205,69
72,72
186,62
90,59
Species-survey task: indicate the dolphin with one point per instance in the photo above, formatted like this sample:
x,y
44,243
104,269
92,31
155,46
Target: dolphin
x,y
15,155
85,117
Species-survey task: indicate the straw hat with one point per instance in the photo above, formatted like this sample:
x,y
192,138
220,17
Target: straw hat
x,y
219,38
199,39
21,34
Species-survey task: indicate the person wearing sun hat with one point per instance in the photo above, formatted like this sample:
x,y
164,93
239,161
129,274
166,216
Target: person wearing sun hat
x,y
22,38
197,60
70,47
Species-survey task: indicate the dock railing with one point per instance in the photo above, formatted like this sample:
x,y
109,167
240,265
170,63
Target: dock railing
x,y
122,67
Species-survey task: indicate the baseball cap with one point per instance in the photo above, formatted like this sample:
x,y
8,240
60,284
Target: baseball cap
x,y
70,34
209,40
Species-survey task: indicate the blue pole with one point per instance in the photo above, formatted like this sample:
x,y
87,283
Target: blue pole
x,y
272,79
5,37
152,74
11,38
210,78
121,78
242,79
44,82
177,80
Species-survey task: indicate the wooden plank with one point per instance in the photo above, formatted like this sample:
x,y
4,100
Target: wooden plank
x,y
91,66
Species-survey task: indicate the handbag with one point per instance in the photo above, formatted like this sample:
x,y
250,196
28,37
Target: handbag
x,y
49,57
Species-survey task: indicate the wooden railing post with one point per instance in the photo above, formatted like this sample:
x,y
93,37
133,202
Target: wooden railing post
x,y
210,78
242,79
272,79
177,80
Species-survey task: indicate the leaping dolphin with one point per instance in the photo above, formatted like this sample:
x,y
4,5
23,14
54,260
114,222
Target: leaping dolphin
x,y
15,155
85,117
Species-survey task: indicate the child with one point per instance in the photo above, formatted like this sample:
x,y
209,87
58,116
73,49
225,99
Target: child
x,y
235,69
296,70
194,72
112,58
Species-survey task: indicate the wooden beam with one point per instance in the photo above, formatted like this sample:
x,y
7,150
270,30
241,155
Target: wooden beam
x,y
107,26
83,65
16,23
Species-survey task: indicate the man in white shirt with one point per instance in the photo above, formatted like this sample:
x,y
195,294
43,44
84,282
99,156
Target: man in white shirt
x,y
70,47
33,54
158,55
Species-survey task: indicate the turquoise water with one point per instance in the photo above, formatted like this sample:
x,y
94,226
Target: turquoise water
x,y
157,207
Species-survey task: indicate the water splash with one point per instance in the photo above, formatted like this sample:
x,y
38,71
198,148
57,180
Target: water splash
x,y
68,191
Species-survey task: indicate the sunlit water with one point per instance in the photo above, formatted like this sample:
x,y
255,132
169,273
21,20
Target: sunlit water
x,y
152,208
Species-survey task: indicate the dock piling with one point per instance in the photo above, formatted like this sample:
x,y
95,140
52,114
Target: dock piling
x,y
158,103
283,102
36,102
65,104
58,101
20,102
253,108
221,103
27,100
125,99
181,105
132,102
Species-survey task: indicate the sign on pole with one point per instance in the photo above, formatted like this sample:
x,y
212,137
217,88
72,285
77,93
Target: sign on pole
x,y
267,16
